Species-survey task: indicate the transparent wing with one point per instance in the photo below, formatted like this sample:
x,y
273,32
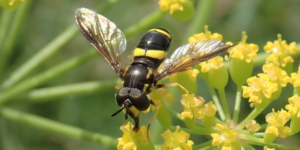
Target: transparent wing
x,y
104,35
190,55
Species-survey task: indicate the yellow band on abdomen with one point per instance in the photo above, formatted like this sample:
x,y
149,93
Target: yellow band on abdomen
x,y
156,54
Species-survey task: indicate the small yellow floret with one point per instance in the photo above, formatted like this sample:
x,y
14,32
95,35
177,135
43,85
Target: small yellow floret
x,y
294,105
225,138
252,126
278,120
209,109
127,142
161,94
206,35
280,51
258,88
295,78
276,74
272,130
177,140
244,51
192,106
214,63
171,5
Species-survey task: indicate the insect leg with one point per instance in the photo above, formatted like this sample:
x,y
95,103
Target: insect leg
x,y
172,84
136,124
157,109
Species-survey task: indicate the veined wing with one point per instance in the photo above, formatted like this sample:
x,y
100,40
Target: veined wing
x,y
104,35
190,55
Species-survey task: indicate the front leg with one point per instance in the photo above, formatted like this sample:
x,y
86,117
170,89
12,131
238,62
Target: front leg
x,y
136,124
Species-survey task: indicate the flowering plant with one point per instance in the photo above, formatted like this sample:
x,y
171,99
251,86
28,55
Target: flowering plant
x,y
196,117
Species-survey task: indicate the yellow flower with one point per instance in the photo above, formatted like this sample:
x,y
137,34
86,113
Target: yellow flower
x,y
252,126
276,121
209,111
225,138
244,51
182,10
280,51
294,106
295,78
276,74
161,94
192,106
178,140
131,139
214,63
206,35
266,148
258,89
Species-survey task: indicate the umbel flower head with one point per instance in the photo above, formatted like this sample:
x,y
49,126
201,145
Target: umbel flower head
x,y
280,51
226,139
276,125
131,139
241,64
182,10
177,140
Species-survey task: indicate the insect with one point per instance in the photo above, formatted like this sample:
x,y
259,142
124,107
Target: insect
x,y
149,64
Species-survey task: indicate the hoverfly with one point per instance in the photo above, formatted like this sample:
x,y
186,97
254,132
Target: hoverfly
x,y
149,64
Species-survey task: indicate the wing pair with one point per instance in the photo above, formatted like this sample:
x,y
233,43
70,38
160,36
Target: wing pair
x,y
110,42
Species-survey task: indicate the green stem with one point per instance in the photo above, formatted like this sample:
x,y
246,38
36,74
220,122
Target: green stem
x,y
4,22
201,18
237,105
56,127
224,103
216,100
42,55
247,146
259,141
44,94
255,112
47,51
199,130
263,127
144,24
11,38
45,76
259,134
203,145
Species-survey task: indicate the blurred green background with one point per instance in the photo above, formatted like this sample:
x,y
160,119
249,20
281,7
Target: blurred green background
x,y
262,20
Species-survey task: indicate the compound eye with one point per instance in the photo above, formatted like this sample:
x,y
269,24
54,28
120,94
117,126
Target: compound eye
x,y
139,99
122,95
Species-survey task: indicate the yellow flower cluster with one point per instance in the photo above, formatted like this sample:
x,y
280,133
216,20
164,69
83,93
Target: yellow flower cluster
x,y
294,105
192,106
226,139
244,51
252,126
171,5
295,78
214,63
280,51
130,139
161,94
178,140
276,122
259,89
206,35
276,74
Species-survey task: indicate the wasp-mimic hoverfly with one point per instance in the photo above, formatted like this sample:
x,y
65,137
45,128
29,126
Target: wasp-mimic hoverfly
x,y
149,64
